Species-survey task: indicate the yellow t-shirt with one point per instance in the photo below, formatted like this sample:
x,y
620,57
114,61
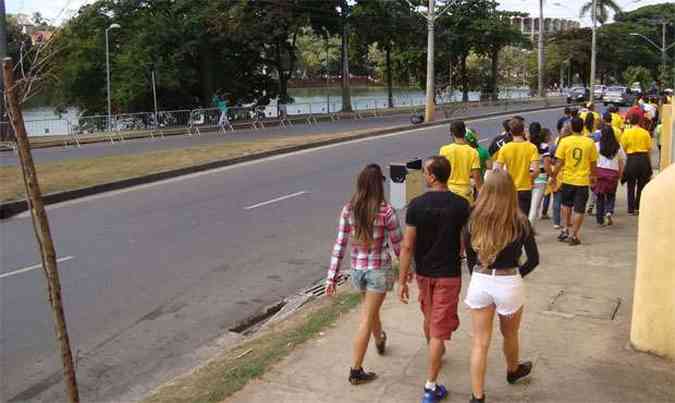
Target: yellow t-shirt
x,y
617,133
636,140
617,121
517,158
578,153
463,159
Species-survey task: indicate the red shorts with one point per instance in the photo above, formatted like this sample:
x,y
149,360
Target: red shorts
x,y
439,298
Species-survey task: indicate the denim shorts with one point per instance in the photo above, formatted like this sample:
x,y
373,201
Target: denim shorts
x,y
379,281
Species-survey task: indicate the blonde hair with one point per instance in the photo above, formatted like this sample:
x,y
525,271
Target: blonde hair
x,y
496,220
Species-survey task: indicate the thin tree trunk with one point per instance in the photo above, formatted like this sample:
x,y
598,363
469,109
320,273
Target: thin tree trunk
x,y
42,232
346,84
494,68
390,91
465,80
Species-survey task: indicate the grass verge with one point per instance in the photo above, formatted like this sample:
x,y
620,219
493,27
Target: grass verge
x,y
79,173
226,375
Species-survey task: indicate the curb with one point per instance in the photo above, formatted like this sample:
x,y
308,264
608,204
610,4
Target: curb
x,y
10,209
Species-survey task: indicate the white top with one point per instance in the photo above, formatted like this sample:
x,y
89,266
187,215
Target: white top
x,y
613,164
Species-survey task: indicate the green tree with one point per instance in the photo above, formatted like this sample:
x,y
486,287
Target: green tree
x,y
603,8
638,74
388,24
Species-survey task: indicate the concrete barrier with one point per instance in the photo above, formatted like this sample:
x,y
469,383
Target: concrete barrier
x,y
653,324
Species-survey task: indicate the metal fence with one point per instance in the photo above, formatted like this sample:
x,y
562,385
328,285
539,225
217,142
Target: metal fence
x,y
194,122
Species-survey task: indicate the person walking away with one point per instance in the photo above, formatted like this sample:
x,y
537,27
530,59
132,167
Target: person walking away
x,y
567,115
465,162
611,160
540,138
471,138
617,120
521,159
374,229
223,120
636,143
498,142
576,158
496,235
657,137
434,223
555,185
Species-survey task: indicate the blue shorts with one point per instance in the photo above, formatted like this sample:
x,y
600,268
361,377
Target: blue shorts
x,y
379,281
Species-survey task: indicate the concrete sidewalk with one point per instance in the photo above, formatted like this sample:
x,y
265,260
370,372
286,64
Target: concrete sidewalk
x,y
576,331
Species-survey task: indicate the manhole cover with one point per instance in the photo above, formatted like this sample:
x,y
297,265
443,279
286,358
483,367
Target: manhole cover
x,y
583,305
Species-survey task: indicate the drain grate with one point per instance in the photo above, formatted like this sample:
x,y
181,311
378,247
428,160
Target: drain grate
x,y
583,305
319,288
248,325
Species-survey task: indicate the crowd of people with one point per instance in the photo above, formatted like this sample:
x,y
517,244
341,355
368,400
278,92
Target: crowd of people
x,y
481,206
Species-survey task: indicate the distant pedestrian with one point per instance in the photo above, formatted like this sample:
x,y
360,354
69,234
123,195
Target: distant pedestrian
x,y
567,115
617,120
472,137
374,229
611,160
465,163
521,159
637,145
434,223
576,158
540,137
496,235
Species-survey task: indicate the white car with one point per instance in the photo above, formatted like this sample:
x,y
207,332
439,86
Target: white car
x,y
599,91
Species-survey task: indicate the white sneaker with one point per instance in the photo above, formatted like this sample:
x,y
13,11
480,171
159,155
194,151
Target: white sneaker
x,y
557,227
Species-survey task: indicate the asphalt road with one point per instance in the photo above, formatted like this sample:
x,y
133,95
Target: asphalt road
x,y
158,274
42,155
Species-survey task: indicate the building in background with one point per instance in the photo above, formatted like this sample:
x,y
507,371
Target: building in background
x,y
530,25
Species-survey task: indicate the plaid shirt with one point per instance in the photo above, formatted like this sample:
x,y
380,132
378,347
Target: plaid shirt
x,y
374,257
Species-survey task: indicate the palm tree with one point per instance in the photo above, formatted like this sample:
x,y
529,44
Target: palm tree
x,y
602,11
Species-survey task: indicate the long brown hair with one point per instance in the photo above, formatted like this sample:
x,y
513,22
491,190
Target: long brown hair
x,y
366,202
496,220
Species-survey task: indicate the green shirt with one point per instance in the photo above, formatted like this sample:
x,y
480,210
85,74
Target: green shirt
x,y
484,156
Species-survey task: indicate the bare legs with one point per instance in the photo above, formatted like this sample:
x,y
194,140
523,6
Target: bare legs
x,y
370,324
573,222
482,335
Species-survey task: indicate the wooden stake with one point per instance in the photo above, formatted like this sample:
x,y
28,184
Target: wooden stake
x,y
41,228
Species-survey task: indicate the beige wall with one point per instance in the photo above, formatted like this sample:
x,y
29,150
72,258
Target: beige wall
x,y
666,135
653,324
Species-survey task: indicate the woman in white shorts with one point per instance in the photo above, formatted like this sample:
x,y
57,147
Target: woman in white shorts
x,y
496,235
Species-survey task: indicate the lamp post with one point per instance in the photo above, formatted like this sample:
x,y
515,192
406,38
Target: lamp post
x,y
540,52
107,69
663,48
594,17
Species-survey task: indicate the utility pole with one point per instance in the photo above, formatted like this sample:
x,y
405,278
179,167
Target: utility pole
x,y
540,81
664,53
593,44
431,20
4,129
346,86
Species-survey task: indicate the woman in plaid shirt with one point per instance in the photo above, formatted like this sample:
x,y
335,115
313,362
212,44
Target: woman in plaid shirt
x,y
372,224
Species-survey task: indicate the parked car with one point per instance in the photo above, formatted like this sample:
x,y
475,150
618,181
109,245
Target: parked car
x,y
599,91
618,95
578,95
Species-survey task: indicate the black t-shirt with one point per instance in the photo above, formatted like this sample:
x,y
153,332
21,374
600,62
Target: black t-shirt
x,y
439,218
509,257
499,142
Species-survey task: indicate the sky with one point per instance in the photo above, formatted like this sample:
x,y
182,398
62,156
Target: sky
x,y
58,10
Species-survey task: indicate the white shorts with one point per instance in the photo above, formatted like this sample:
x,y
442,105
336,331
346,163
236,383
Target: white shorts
x,y
507,293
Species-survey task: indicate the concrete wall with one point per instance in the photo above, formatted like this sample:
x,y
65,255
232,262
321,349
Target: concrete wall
x,y
653,324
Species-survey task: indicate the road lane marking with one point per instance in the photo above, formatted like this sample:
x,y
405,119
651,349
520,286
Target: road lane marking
x,y
278,199
68,203
37,266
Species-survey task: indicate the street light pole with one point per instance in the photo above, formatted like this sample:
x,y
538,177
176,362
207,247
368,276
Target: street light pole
x,y
429,110
107,69
593,45
540,58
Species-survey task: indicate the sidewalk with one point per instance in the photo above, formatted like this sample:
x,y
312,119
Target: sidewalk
x,y
576,331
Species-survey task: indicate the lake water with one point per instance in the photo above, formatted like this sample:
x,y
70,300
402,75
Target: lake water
x,y
43,121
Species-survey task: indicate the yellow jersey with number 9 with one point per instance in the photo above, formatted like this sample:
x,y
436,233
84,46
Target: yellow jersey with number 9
x,y
578,154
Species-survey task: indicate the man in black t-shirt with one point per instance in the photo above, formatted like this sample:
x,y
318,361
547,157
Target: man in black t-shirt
x,y
434,223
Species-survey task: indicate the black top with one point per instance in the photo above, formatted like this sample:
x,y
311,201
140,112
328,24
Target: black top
x,y
499,142
438,218
509,257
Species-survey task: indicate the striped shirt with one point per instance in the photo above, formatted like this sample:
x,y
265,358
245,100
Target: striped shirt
x,y
376,256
